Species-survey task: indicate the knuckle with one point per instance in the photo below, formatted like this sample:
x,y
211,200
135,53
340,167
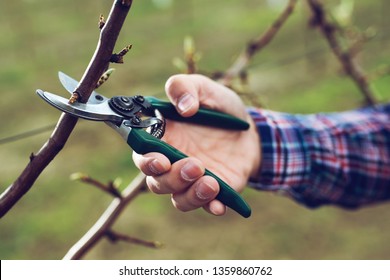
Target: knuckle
x,y
153,185
171,82
180,205
160,185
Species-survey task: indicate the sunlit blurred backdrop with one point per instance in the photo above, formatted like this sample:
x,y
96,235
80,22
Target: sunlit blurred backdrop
x,y
295,73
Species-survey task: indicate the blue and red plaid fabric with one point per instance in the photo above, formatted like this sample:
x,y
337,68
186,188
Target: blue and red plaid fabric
x,y
333,158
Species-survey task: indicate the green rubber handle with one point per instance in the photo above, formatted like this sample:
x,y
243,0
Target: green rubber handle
x,y
203,116
142,142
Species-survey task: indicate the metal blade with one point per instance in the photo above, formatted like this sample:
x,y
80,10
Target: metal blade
x,y
67,82
97,109
71,84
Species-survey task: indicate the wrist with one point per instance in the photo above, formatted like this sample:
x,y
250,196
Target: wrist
x,y
255,154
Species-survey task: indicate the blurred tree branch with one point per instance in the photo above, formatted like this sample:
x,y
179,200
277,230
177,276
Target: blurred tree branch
x,y
345,56
104,223
115,237
98,64
256,45
109,188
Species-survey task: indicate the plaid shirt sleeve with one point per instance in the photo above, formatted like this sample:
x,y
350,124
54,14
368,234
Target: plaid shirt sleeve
x,y
335,158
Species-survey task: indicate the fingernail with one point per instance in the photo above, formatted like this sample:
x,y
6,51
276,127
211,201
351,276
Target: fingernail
x,y
156,167
185,102
191,171
204,191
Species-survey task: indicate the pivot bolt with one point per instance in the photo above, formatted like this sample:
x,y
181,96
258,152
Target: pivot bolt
x,y
124,99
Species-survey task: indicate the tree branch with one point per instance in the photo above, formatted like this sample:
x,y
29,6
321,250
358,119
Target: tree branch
x,y
115,237
106,220
256,45
66,123
109,188
345,57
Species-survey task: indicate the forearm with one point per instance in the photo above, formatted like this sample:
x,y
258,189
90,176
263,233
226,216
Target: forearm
x,y
339,158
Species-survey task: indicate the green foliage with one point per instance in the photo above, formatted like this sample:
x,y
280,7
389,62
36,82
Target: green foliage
x,y
295,73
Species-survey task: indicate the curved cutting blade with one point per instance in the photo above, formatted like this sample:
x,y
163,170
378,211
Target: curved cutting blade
x,y
67,82
97,108
71,84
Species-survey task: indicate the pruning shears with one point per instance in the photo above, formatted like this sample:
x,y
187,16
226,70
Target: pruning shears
x,y
140,120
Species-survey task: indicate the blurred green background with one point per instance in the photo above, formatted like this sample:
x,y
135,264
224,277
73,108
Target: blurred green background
x,y
295,73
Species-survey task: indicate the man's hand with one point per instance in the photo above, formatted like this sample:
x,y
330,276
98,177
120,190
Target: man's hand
x,y
232,155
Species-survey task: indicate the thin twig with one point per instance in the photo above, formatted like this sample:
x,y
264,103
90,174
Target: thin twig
x,y
115,237
190,54
108,188
188,65
66,123
256,45
107,219
118,57
346,57
26,134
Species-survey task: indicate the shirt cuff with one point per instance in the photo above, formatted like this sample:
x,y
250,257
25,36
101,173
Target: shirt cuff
x,y
285,160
